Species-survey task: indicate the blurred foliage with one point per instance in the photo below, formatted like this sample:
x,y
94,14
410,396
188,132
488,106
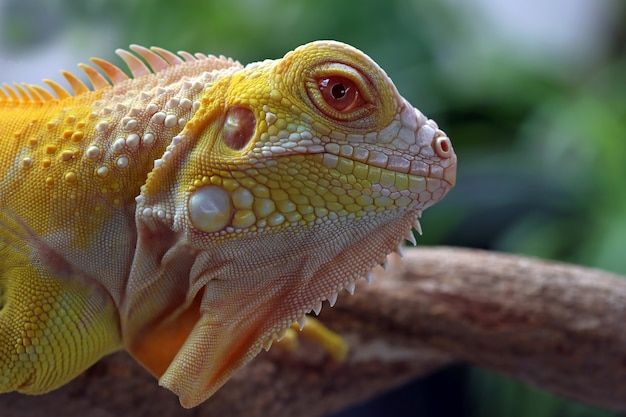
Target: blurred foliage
x,y
541,141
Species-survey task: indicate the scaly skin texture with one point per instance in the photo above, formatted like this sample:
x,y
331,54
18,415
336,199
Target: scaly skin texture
x,y
191,213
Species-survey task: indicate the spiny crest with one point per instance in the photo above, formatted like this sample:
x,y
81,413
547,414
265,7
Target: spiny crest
x,y
156,60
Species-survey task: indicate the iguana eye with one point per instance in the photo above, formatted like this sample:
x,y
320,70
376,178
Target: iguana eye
x,y
340,93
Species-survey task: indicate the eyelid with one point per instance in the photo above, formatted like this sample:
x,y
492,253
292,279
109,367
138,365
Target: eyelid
x,y
365,86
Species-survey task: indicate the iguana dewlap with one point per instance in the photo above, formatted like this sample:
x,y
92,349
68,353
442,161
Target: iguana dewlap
x,y
192,212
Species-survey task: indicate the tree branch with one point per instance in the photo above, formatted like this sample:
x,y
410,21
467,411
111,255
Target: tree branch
x,y
556,326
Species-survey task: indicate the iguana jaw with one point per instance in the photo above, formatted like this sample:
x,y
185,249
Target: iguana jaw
x,y
239,318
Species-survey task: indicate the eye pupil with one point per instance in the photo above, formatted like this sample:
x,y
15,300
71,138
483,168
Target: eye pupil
x,y
338,91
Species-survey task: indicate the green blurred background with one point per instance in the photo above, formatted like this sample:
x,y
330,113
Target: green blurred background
x,y
533,95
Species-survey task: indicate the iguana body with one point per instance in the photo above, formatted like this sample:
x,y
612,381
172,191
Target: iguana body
x,y
191,213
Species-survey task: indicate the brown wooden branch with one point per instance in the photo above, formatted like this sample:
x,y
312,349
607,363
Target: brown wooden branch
x,y
556,326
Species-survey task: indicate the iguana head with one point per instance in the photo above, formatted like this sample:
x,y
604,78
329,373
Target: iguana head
x,y
293,179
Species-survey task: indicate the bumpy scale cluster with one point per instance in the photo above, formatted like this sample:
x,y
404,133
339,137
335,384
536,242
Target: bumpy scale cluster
x,y
357,178
278,160
87,155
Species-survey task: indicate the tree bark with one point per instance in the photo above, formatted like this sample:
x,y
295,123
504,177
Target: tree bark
x,y
556,326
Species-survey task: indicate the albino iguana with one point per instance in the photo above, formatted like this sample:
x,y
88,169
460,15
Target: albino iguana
x,y
190,213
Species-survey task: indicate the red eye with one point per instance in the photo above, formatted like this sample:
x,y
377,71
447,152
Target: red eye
x,y
340,93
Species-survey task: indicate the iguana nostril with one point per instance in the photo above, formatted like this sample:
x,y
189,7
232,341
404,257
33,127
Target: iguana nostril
x,y
239,127
443,147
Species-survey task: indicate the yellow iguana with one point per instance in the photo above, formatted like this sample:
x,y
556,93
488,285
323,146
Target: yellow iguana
x,y
192,212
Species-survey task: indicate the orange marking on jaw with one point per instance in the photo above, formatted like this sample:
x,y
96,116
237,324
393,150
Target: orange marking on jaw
x,y
233,348
237,349
157,347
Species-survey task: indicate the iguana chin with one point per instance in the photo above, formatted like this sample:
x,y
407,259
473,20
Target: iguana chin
x,y
190,213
